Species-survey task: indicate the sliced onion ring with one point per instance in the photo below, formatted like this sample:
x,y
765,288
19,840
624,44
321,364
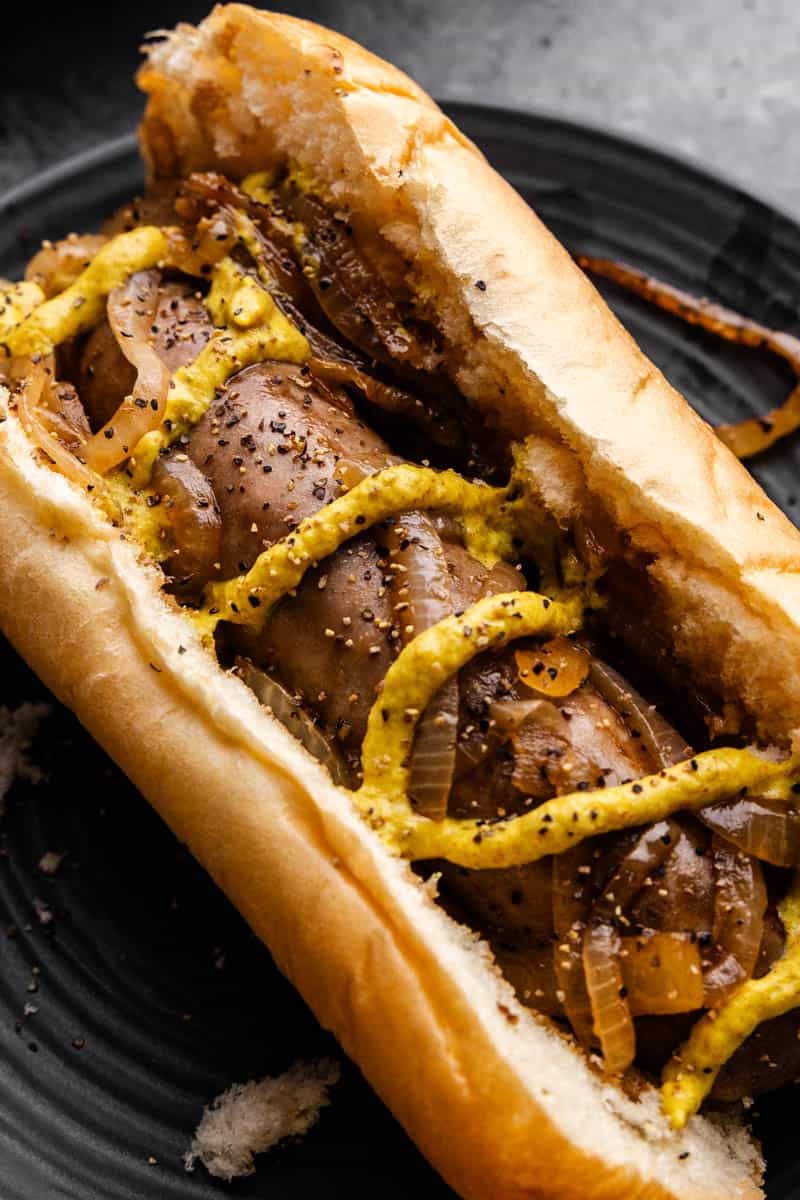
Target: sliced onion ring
x,y
646,855
131,311
740,901
32,380
765,828
291,714
602,946
425,589
533,726
755,434
572,892
605,983
58,264
663,743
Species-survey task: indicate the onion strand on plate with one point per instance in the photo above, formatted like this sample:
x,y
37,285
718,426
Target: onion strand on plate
x,y
745,438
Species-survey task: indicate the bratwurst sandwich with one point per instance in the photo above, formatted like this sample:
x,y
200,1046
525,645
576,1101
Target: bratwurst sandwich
x,y
348,519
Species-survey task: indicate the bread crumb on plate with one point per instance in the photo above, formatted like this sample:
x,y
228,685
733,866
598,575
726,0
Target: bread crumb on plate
x,y
50,862
17,730
250,1118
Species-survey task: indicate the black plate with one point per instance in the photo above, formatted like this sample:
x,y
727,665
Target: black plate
x,y
131,962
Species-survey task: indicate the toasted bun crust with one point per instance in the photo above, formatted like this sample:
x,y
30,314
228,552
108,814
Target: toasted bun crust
x,y
501,1104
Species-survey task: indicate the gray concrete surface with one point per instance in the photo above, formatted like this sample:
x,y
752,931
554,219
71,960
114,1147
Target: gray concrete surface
x,y
715,80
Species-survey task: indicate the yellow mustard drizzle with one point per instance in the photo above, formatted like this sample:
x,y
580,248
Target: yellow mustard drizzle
x,y
149,524
80,306
690,1074
17,301
423,667
259,186
246,599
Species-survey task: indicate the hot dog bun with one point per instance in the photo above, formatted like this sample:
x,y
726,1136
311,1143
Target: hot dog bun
x,y
500,1103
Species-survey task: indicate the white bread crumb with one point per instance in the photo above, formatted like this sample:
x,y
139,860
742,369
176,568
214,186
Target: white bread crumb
x,y
17,731
250,1118
50,862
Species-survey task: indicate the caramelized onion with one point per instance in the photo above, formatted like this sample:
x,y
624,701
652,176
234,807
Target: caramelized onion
x,y
433,758
351,293
212,238
131,311
680,897
572,898
194,519
605,982
432,418
65,415
773,942
32,380
345,372
611,1014
211,193
536,729
291,714
663,743
648,852
58,264
554,669
740,901
662,973
755,434
767,829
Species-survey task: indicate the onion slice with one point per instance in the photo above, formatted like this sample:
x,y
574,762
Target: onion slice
x,y
415,545
131,311
58,264
755,434
605,983
740,901
765,828
32,380
291,714
351,293
663,743
535,728
572,898
646,855
662,973
554,669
